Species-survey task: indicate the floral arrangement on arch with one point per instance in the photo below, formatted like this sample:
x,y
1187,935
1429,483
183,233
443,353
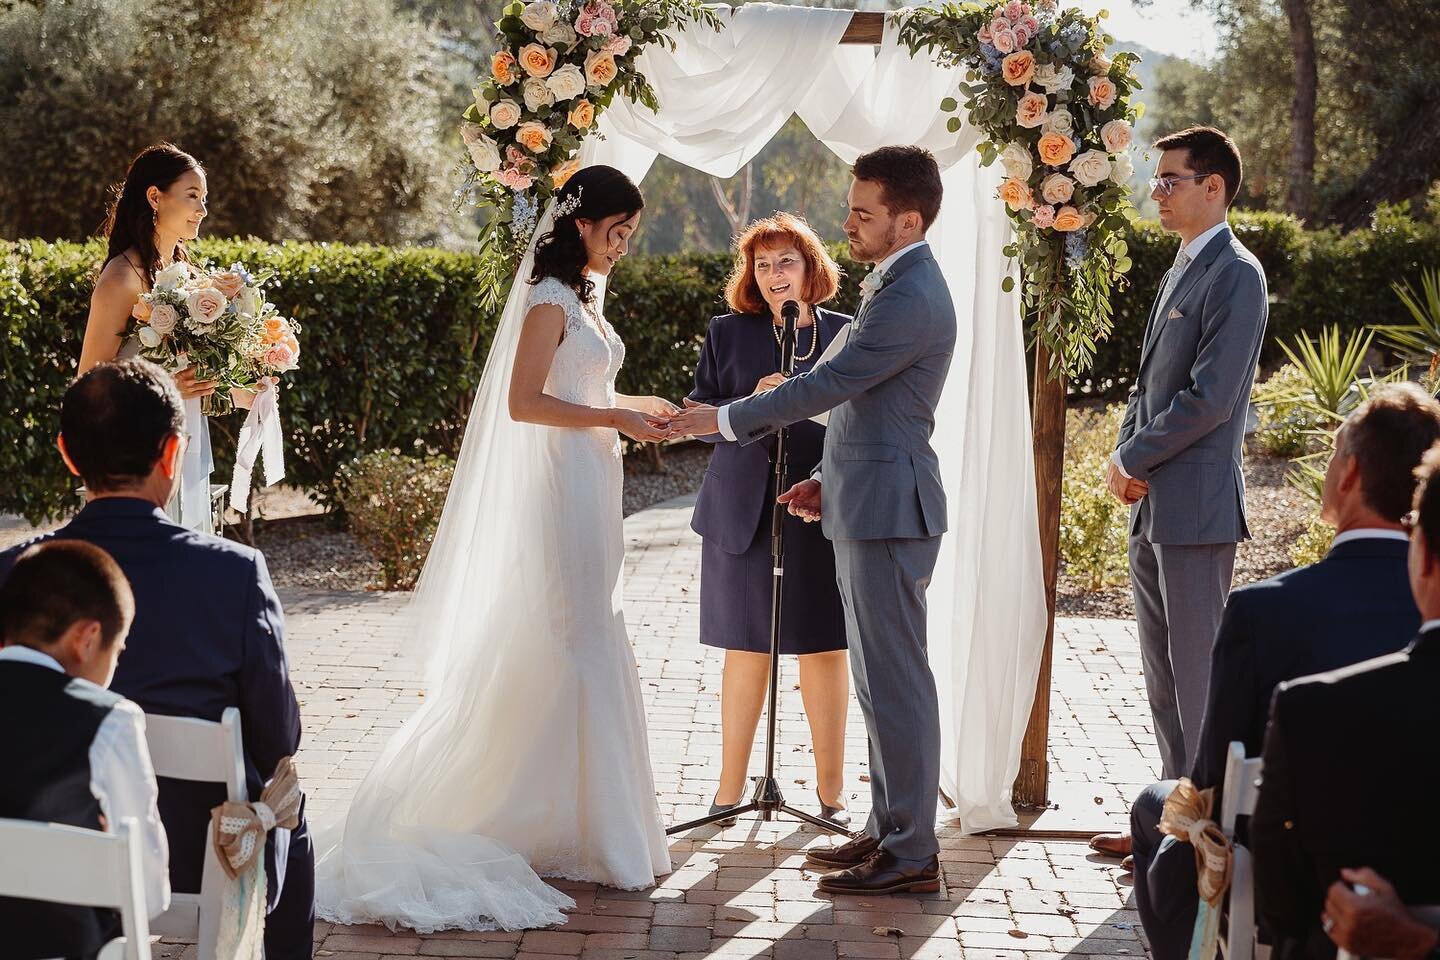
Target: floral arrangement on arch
x,y
558,66
1057,113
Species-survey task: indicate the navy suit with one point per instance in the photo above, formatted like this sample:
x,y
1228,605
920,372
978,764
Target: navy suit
x,y
732,510
1352,605
208,634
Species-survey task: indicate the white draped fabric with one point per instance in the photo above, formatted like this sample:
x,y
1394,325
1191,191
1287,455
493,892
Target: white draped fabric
x,y
722,96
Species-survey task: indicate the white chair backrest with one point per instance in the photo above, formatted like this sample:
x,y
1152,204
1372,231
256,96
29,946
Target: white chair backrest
x,y
1428,915
184,748
88,868
1242,787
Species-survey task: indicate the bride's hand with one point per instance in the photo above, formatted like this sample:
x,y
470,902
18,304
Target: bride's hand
x,y
189,387
657,407
642,426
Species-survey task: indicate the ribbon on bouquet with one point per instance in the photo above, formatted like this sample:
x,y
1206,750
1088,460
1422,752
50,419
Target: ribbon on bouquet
x,y
1187,817
260,437
237,832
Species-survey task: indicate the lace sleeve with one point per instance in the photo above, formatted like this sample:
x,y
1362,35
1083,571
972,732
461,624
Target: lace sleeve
x,y
553,291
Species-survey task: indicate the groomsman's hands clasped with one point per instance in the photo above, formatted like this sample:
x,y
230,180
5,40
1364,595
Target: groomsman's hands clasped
x,y
1127,490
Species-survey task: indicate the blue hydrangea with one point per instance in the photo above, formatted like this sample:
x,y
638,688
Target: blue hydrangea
x,y
1055,48
1073,34
523,215
1076,245
989,51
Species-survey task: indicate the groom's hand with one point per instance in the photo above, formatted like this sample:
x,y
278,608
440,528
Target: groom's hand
x,y
1127,490
803,499
696,420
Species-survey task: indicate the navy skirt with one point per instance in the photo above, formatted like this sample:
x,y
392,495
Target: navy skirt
x,y
735,592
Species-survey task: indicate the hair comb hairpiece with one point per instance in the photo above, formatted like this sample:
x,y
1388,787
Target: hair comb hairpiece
x,y
563,208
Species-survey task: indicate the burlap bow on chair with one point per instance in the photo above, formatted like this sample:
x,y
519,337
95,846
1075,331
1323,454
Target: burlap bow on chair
x,y
239,828
1187,816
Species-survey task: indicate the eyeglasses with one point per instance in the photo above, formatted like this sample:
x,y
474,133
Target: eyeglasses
x,y
1410,521
1166,184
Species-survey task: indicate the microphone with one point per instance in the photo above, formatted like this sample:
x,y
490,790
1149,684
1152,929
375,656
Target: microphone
x,y
790,314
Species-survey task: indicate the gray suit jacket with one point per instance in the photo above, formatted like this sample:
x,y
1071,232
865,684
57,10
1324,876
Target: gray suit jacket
x,y
1184,428
882,479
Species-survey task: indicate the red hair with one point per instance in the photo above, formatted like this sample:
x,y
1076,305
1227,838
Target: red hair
x,y
822,273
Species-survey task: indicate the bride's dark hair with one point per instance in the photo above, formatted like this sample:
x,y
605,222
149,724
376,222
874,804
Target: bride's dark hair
x,y
131,221
603,192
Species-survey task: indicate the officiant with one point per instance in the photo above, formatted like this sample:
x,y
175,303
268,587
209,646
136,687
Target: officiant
x,y
777,259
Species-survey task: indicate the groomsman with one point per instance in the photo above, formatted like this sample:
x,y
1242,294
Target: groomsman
x,y
1177,460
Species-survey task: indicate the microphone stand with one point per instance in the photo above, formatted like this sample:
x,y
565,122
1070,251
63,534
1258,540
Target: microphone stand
x,y
767,799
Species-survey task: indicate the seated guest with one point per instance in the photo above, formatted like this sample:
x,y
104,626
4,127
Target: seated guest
x,y
1364,916
73,753
1352,767
1352,605
208,625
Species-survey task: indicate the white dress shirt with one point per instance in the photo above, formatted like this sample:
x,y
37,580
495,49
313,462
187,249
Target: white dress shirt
x,y
722,416
123,780
1192,250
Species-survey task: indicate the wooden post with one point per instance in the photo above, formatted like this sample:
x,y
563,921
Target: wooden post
x,y
1048,426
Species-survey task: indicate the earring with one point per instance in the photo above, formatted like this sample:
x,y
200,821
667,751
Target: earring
x,y
155,216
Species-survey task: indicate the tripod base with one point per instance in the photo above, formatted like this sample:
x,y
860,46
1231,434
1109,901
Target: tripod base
x,y
767,801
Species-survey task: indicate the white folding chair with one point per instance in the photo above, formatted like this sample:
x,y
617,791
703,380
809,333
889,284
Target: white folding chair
x,y
87,868
1242,790
183,748
1428,915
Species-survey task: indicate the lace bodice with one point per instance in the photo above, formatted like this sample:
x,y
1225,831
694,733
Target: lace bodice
x,y
590,353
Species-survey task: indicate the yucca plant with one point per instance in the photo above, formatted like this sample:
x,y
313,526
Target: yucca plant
x,y
1420,340
1331,369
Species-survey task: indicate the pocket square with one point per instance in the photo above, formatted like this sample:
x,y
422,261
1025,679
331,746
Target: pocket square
x,y
1174,314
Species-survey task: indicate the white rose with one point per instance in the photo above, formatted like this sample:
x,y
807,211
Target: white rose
x,y
1052,79
483,151
540,15
566,83
504,114
536,94
560,35
1060,121
163,319
173,275
1015,158
149,337
1121,169
250,302
1091,168
1116,135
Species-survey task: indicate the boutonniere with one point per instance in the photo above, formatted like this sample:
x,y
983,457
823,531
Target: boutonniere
x,y
873,283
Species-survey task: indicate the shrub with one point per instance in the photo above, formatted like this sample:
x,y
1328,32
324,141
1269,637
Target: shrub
x,y
1288,425
1314,543
392,505
1094,526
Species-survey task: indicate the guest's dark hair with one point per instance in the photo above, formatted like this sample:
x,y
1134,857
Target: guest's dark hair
x,y
1387,435
1427,500
560,253
57,583
131,220
1210,151
909,179
115,420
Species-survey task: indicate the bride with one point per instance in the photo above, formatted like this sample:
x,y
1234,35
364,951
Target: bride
x,y
529,754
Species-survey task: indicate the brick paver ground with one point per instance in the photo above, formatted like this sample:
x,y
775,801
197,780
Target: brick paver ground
x,y
745,892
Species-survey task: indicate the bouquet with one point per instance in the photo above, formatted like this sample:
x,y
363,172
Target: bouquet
x,y
217,324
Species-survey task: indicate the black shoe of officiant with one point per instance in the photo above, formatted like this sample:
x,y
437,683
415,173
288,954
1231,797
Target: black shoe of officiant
x,y
838,815
882,874
721,808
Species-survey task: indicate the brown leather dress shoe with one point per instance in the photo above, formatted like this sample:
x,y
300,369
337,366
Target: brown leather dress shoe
x,y
852,853
1115,845
882,874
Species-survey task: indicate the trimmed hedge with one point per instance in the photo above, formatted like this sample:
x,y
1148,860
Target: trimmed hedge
x,y
394,342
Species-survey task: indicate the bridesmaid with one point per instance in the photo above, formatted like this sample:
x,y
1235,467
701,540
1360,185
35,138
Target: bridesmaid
x,y
777,259
156,210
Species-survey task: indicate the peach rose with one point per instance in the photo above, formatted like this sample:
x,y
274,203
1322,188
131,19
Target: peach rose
x,y
1055,149
503,68
164,319
600,68
141,311
1018,68
533,136
1016,194
504,114
1057,188
561,174
537,60
1116,135
1044,217
582,115
274,330
1068,219
206,305
1102,92
229,283
1031,110
280,358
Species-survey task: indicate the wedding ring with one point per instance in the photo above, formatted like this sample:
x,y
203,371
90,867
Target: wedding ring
x,y
1327,923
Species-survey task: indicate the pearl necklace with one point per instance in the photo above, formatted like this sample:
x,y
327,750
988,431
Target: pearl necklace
x,y
814,336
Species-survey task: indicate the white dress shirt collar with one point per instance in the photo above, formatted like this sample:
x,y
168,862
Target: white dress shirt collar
x,y
1193,248
20,654
1429,625
891,260
1368,533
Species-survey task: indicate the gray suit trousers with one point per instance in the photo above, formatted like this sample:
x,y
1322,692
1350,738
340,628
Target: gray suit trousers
x,y
1180,592
882,586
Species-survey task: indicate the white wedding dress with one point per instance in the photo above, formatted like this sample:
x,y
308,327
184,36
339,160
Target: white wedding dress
x,y
529,754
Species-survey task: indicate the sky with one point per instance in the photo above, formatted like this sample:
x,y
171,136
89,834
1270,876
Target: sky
x,y
1169,26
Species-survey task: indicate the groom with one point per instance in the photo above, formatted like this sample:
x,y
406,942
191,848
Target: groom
x,y
884,506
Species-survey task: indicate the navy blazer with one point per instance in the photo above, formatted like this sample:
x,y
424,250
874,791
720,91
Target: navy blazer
x,y
208,634
739,351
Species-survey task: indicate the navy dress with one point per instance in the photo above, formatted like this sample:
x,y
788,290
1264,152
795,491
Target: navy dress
x,y
732,512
